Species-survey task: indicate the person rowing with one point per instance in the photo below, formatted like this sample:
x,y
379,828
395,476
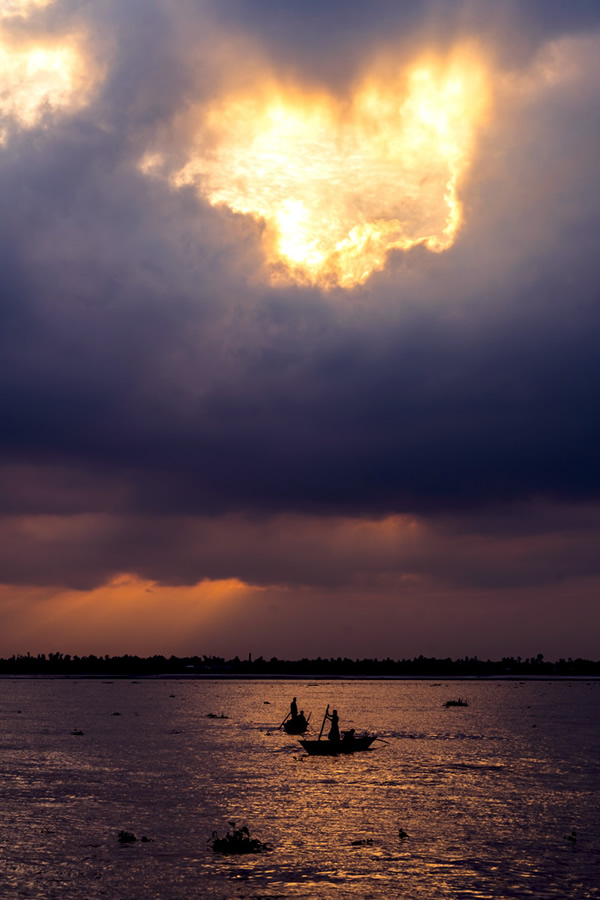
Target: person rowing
x,y
295,722
334,731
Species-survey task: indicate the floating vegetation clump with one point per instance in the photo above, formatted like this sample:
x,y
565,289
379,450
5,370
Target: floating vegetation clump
x,y
126,837
237,841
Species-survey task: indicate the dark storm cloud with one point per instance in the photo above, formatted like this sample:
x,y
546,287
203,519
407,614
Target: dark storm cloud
x,y
148,369
330,41
130,341
514,548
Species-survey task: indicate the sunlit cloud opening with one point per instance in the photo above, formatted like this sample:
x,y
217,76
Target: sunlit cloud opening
x,y
21,8
340,183
38,78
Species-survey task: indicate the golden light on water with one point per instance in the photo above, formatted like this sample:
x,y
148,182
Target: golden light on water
x,y
339,183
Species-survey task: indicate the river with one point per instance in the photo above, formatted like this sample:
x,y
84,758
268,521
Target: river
x,y
498,799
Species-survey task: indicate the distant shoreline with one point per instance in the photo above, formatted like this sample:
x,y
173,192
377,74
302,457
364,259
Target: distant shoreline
x,y
197,676
419,668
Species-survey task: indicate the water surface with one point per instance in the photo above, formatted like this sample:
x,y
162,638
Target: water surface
x,y
488,795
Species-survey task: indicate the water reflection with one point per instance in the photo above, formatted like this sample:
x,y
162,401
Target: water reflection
x,y
486,801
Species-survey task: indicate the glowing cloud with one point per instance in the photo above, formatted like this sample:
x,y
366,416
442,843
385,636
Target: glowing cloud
x,y
36,79
339,183
38,75
21,8
129,614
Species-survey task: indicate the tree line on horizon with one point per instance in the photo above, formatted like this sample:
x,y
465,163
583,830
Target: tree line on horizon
x,y
418,667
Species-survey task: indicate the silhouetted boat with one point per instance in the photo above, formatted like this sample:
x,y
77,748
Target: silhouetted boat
x,y
297,725
345,745
459,702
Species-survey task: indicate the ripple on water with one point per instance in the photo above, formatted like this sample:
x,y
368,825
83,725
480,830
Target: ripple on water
x,y
486,804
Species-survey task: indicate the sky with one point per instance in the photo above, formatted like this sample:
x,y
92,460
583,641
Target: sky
x,y
299,325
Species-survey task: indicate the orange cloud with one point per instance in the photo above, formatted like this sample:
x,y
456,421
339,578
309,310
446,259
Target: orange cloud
x,y
127,615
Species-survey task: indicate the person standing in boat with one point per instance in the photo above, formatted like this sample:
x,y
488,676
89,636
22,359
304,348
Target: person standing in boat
x,y
334,731
294,708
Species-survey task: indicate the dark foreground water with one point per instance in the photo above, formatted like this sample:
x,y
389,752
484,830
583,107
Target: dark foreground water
x,y
488,795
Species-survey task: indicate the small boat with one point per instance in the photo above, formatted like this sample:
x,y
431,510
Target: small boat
x,y
297,725
354,744
295,722
350,742
459,702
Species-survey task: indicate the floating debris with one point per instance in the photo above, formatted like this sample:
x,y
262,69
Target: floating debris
x,y
215,716
573,836
77,731
458,702
237,841
126,837
116,714
363,842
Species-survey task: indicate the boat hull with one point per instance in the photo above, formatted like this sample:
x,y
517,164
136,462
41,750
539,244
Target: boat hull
x,y
333,748
292,727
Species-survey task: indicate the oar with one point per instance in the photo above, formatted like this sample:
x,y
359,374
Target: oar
x,y
382,740
285,720
324,720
